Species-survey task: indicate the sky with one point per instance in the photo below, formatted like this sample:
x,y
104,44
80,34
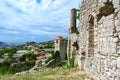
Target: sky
x,y
35,20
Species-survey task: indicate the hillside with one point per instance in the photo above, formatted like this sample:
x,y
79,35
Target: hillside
x,y
4,44
58,73
39,45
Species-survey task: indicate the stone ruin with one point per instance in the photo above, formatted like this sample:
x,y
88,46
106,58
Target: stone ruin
x,y
97,46
73,37
60,45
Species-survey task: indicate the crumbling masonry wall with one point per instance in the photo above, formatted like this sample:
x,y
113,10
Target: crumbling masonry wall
x,y
73,37
99,39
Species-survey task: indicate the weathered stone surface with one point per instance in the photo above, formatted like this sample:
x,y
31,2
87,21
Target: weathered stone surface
x,y
113,63
73,28
104,1
61,47
99,38
118,62
118,28
116,3
115,40
117,78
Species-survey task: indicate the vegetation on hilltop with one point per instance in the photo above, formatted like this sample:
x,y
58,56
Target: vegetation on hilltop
x,y
28,56
10,51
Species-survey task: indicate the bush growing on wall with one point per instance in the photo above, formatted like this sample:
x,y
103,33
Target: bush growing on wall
x,y
55,55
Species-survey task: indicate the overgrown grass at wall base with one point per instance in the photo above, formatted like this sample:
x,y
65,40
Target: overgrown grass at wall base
x,y
61,64
57,73
71,61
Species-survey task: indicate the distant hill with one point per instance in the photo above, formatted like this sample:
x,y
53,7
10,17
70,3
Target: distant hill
x,y
39,45
4,44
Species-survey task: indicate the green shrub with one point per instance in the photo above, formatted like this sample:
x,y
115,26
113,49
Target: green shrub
x,y
10,52
77,32
6,63
60,64
29,56
4,69
71,63
21,67
48,59
55,55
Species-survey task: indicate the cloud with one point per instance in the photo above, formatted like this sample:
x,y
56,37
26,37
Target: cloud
x,y
35,17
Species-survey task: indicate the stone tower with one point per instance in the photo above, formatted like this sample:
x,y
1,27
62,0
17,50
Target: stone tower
x,y
73,28
72,38
60,45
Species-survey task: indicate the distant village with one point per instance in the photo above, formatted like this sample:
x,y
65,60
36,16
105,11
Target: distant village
x,y
29,48
31,52
24,57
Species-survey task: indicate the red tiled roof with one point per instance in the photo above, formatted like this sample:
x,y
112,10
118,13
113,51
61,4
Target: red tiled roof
x,y
41,57
59,38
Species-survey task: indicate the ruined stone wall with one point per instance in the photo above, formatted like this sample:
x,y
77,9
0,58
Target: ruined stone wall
x,y
99,39
73,37
71,40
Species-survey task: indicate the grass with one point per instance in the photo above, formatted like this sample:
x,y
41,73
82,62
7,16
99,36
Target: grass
x,y
58,73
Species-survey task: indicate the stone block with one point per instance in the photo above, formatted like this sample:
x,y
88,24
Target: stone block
x,y
119,14
115,34
118,53
117,78
109,19
117,22
113,63
104,1
118,28
115,40
111,34
117,10
116,73
116,3
118,62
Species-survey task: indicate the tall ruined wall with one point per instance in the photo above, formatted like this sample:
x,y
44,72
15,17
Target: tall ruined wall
x,y
72,38
99,39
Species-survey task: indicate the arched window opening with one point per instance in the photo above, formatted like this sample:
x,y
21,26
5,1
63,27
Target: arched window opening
x,y
91,36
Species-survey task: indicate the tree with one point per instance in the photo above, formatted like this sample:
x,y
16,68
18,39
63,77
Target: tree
x,y
6,63
29,56
10,52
